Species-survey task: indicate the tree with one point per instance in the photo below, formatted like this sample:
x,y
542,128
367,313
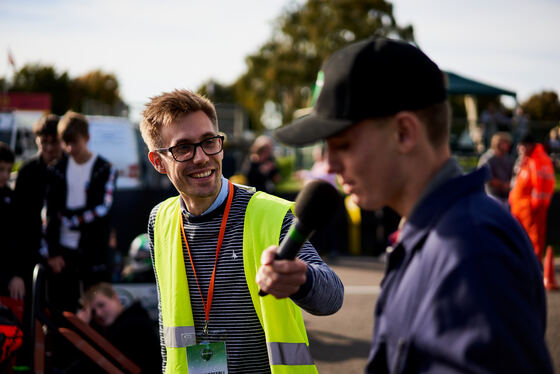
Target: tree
x,y
217,92
543,106
44,78
284,69
97,92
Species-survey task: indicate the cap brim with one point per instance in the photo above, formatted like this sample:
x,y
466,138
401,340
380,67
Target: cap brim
x,y
310,129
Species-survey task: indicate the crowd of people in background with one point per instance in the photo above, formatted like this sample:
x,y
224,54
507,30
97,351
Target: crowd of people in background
x,y
58,214
523,178
59,211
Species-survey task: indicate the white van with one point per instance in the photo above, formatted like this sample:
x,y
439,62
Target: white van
x,y
116,139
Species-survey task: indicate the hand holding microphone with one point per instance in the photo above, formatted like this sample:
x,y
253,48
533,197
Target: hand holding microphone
x,y
315,207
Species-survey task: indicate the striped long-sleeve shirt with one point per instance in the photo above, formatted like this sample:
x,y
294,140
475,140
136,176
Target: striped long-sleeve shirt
x,y
232,309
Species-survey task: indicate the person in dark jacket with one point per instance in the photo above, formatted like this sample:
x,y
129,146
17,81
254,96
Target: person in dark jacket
x,y
79,202
11,272
31,189
129,329
29,200
463,291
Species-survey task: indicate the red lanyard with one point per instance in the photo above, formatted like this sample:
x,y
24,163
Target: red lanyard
x,y
208,304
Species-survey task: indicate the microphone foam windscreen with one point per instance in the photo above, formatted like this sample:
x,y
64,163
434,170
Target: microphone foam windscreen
x,y
316,204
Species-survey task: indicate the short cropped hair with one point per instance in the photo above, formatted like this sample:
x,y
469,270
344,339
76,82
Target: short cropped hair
x,y
72,125
103,288
169,107
6,153
437,119
46,125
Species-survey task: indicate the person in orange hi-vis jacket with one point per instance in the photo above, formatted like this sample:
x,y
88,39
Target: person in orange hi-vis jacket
x,y
532,191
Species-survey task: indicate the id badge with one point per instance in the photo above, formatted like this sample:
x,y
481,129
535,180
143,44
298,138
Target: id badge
x,y
207,357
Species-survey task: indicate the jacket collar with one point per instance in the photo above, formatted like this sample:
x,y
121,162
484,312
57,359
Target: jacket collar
x,y
436,200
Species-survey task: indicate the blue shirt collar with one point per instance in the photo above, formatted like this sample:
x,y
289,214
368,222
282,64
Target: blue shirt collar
x,y
219,200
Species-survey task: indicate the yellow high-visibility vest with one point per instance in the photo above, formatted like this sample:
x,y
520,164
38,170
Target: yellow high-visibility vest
x,y
281,320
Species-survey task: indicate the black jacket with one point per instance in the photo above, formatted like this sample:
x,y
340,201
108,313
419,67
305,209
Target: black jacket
x,y
29,196
11,263
93,221
135,335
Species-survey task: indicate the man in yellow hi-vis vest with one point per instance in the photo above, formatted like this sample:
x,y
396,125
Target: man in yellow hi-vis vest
x,y
211,243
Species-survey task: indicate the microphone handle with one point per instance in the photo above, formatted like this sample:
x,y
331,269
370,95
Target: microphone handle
x,y
293,241
291,244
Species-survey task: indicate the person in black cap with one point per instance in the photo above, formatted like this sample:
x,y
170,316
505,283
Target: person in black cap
x,y
463,291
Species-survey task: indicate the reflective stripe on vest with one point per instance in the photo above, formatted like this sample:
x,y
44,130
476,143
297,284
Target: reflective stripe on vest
x,y
282,321
289,354
179,336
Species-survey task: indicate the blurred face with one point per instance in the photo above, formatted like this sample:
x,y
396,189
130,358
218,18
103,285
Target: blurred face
x,y
77,148
525,149
5,171
365,157
105,309
504,146
198,180
49,148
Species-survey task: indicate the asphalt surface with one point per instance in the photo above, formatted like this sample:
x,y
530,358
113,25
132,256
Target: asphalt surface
x,y
340,343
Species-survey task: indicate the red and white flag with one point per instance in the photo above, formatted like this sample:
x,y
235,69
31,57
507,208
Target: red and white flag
x,y
11,59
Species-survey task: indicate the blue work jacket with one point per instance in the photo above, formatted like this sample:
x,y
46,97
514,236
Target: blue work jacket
x,y
463,291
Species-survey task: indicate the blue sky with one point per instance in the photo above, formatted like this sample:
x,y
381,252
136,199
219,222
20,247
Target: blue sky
x,y
158,46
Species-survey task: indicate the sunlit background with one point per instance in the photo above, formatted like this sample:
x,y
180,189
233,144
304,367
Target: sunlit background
x,y
157,46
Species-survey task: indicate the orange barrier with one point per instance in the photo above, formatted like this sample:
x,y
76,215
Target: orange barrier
x,y
102,343
549,272
91,352
96,348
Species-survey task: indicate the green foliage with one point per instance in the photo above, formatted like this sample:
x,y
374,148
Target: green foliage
x,y
285,166
468,163
98,85
67,93
43,78
217,92
543,106
288,184
285,67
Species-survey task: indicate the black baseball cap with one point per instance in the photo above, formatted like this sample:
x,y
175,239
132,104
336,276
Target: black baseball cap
x,y
373,78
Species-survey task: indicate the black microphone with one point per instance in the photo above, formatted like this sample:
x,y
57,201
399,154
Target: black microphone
x,y
316,205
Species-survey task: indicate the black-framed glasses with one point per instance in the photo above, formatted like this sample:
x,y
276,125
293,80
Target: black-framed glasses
x,y
186,151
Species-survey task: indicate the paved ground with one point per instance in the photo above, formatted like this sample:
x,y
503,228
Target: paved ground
x,y
340,343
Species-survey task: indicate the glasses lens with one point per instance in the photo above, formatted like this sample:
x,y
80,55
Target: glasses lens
x,y
182,152
212,145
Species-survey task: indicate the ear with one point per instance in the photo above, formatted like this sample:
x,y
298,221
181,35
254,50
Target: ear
x,y
408,131
157,162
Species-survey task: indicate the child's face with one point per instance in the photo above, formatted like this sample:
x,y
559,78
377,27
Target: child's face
x,y
105,309
49,147
5,170
77,147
